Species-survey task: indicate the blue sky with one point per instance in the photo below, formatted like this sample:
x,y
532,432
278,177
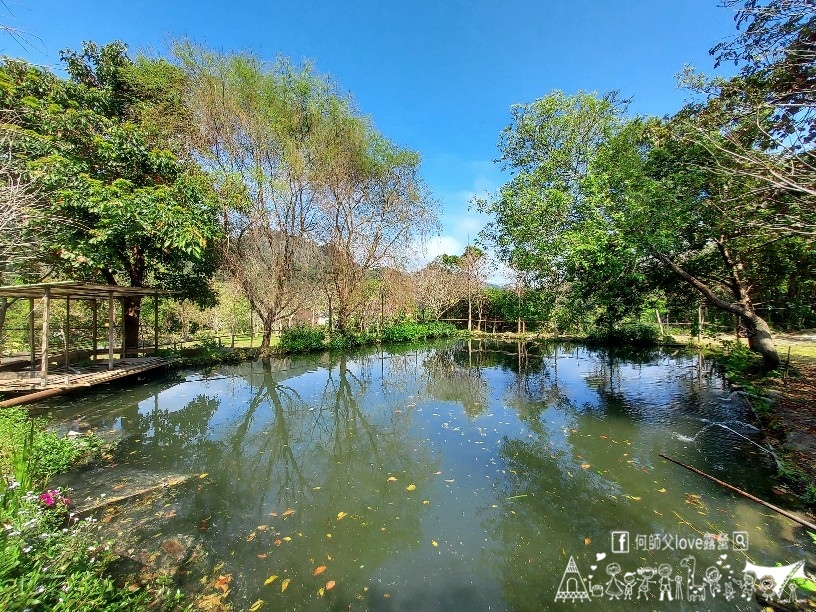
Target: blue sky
x,y
436,76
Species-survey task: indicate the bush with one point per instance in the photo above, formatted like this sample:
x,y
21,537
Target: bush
x,y
302,339
636,334
411,331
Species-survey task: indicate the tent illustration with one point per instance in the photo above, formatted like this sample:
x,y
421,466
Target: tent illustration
x,y
572,585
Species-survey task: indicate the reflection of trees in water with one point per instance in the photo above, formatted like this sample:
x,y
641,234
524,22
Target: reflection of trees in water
x,y
304,437
449,380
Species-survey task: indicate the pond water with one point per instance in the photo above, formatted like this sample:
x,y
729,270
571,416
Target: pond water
x,y
460,476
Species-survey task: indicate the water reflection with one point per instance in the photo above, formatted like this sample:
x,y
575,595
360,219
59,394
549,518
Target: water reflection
x,y
461,475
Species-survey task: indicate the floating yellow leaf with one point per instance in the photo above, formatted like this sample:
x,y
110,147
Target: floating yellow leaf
x,y
223,582
262,527
287,539
218,567
633,498
319,570
341,515
434,543
256,606
425,502
437,473
262,555
328,535
285,584
661,490
251,537
585,465
204,475
330,585
451,480
392,479
271,579
287,512
321,591
410,487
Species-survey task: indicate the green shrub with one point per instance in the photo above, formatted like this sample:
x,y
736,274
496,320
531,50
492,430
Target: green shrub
x,y
636,333
411,331
302,339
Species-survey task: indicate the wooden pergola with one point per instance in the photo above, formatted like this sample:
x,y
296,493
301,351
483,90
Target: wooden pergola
x,y
71,291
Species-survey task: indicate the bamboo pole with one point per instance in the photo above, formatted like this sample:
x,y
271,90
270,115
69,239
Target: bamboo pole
x,y
155,324
784,513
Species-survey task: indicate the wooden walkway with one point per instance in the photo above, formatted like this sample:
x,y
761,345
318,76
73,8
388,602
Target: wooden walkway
x,y
78,377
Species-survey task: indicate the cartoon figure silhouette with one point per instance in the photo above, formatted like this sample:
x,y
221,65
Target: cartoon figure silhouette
x,y
712,579
729,592
665,581
747,586
678,587
629,584
646,575
613,587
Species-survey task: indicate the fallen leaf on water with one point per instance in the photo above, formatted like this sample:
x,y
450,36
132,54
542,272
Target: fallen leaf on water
x,y
587,541
328,535
204,524
251,537
287,539
119,486
434,543
218,567
437,473
223,582
410,487
319,570
256,606
392,479
341,515
287,512
585,465
262,555
321,591
604,437
271,579
661,490
633,497
330,585
204,475
273,514
285,584
425,502
451,480
262,527
277,542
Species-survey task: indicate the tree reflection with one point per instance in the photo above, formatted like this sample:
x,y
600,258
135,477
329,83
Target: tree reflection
x,y
455,375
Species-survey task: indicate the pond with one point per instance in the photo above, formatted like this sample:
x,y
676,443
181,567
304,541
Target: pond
x,y
459,476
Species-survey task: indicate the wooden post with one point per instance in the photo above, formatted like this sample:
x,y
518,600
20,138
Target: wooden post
x,y
44,339
123,354
95,325
156,325
700,323
31,337
67,329
111,323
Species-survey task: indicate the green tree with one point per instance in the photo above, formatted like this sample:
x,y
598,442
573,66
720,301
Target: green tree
x,y
605,204
130,212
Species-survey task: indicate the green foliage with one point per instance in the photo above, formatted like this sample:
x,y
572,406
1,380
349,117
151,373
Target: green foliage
x,y
122,208
635,334
411,331
302,339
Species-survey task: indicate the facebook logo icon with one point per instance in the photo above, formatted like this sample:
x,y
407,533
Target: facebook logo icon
x,y
620,541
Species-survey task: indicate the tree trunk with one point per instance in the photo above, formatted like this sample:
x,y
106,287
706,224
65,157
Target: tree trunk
x,y
760,339
132,311
266,337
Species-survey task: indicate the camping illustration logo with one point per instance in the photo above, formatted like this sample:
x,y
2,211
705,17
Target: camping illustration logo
x,y
690,584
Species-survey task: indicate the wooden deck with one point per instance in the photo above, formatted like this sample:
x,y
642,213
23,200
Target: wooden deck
x,y
79,376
